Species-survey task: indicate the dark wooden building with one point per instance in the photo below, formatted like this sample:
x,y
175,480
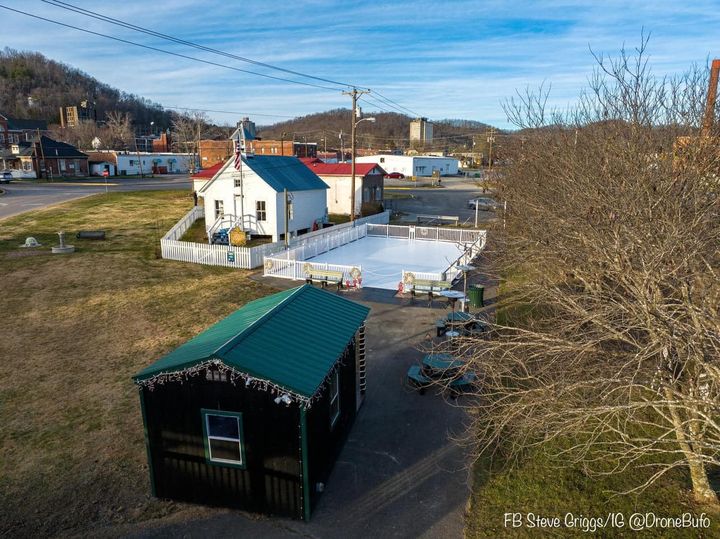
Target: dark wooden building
x,y
253,412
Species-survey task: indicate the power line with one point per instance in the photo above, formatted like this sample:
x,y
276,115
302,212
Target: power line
x,y
118,22
69,7
390,101
228,112
167,52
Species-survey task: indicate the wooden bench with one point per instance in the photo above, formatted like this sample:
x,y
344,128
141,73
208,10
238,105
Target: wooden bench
x,y
324,277
417,379
424,285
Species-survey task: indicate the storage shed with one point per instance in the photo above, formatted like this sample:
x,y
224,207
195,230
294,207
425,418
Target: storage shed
x,y
253,412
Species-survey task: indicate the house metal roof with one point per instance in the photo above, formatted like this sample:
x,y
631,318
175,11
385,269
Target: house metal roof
x,y
343,169
16,124
53,149
291,339
278,172
208,172
284,173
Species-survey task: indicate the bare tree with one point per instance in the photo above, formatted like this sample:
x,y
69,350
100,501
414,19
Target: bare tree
x,y
119,132
615,235
188,129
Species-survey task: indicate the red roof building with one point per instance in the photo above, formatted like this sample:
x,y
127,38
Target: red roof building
x,y
369,184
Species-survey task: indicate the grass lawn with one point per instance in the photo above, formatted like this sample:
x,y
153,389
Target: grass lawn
x,y
196,233
339,218
75,329
537,484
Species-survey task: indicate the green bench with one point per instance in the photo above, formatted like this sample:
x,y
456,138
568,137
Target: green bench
x,y
417,379
324,277
462,384
424,285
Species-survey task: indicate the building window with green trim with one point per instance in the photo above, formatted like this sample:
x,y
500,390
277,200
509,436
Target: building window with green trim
x,y
223,437
334,398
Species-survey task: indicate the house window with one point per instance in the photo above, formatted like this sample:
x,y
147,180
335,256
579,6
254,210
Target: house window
x,y
334,398
366,195
27,166
132,162
223,438
378,193
61,164
219,208
382,159
260,212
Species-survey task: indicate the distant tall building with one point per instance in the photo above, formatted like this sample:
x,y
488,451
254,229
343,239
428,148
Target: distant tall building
x,y
421,130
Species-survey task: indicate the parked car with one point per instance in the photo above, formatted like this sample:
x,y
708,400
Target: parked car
x,y
395,176
484,204
6,176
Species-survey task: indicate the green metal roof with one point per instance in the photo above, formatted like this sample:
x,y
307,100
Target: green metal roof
x,y
292,339
284,173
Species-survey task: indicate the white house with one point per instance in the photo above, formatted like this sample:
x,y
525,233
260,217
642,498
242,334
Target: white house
x,y
414,165
254,196
369,183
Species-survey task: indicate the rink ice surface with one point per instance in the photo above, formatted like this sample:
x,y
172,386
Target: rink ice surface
x,y
383,259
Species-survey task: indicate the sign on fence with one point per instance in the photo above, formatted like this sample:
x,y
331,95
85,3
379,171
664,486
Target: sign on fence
x,y
231,257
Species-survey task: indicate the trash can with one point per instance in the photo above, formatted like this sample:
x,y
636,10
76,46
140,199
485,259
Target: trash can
x,y
475,295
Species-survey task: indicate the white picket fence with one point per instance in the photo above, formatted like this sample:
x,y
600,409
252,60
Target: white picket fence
x,y
304,248
214,255
252,257
286,267
452,235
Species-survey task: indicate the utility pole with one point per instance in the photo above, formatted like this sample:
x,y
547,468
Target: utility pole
x,y
490,139
42,153
287,221
354,95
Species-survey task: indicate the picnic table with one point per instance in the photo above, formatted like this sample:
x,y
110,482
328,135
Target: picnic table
x,y
459,316
441,363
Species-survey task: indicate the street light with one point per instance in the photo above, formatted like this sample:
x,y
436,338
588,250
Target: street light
x,y
352,185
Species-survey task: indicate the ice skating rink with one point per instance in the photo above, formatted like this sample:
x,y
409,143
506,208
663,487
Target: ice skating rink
x,y
383,259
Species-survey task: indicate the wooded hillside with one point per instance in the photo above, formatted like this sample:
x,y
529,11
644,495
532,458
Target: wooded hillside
x,y
390,130
33,86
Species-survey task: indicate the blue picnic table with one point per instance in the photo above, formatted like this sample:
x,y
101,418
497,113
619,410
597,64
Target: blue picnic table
x,y
441,362
459,316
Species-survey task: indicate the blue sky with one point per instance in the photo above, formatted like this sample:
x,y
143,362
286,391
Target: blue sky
x,y
456,59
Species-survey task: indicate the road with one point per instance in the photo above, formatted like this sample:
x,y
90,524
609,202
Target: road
x,y
22,196
451,199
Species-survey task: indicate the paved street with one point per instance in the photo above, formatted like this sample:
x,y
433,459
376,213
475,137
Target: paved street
x,y
451,199
22,196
